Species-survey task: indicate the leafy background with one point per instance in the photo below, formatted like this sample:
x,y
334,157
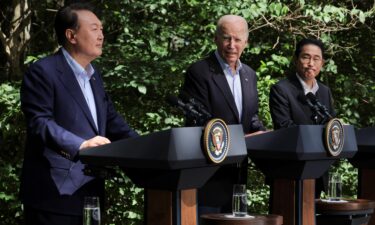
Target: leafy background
x,y
150,43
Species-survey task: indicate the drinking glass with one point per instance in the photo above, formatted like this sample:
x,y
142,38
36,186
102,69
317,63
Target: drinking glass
x,y
239,201
91,211
334,187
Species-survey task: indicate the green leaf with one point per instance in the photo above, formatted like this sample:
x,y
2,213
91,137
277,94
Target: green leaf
x,y
6,197
142,89
362,17
119,67
326,18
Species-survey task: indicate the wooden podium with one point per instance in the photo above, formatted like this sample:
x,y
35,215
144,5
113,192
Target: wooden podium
x,y
292,159
170,165
364,160
346,212
228,219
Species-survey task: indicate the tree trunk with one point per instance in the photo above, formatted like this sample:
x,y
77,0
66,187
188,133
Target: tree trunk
x,y
16,39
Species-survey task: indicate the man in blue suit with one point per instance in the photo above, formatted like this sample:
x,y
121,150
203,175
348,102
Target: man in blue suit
x,y
67,110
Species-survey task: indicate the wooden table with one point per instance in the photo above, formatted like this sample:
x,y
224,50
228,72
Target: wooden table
x,y
352,212
228,219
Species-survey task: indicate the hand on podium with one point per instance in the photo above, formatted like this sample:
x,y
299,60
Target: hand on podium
x,y
257,133
93,142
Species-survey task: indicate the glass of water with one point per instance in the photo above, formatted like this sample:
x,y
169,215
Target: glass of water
x,y
239,201
91,211
334,187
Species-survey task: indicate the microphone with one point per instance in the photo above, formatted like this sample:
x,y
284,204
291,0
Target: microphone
x,y
188,109
322,107
313,107
197,105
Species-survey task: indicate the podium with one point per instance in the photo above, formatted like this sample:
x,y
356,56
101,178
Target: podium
x,y
292,158
170,165
364,160
228,219
351,212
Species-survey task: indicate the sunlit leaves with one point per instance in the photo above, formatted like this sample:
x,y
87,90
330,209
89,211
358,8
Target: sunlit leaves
x,y
330,67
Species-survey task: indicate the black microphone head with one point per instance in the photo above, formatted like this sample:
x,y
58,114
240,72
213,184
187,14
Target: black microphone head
x,y
196,104
322,108
186,97
311,96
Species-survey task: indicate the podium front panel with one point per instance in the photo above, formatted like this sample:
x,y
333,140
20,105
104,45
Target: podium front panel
x,y
297,152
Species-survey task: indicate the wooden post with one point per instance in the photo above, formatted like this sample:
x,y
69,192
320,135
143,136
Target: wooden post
x,y
367,187
295,202
308,202
189,207
171,208
158,208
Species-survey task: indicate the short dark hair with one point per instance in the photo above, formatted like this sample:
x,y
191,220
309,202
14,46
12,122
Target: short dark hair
x,y
67,18
308,41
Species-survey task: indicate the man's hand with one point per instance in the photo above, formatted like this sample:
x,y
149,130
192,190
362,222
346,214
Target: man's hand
x,y
93,142
256,133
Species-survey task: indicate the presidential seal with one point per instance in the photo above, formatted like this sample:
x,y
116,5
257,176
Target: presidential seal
x,y
216,140
334,137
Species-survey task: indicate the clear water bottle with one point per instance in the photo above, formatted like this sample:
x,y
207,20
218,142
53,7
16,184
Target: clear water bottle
x,y
91,211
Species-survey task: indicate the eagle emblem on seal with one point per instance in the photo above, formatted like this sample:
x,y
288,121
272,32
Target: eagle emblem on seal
x,y
216,140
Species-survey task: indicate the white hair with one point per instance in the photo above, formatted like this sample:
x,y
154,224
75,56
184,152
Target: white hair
x,y
231,19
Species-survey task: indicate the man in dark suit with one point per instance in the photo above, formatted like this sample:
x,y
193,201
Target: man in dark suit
x,y
67,110
288,103
228,90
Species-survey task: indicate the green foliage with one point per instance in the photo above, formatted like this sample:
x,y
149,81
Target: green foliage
x,y
149,44
264,85
258,192
11,135
277,64
125,201
349,176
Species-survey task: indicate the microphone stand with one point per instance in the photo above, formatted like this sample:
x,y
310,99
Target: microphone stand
x,y
322,109
316,112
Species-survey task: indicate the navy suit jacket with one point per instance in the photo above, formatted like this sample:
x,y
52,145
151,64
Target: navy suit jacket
x,y
205,81
58,121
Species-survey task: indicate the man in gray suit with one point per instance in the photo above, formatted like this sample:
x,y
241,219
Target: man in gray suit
x,y
228,90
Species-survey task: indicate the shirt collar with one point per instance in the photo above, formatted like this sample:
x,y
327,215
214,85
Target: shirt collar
x,y
306,88
78,70
225,66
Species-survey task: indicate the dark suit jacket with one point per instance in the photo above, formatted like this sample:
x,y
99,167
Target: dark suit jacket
x,y
288,109
58,121
205,81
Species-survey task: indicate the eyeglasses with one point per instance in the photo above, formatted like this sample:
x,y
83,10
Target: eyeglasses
x,y
307,59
